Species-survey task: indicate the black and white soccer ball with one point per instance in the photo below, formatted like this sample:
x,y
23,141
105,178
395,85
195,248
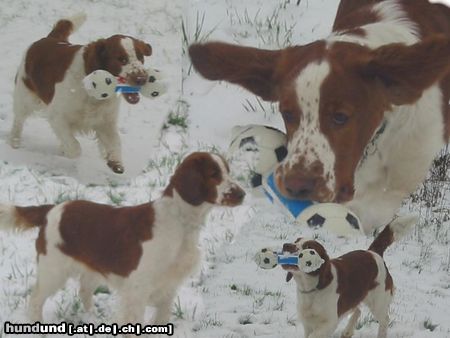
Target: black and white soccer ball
x,y
155,85
309,260
100,84
267,143
266,258
331,216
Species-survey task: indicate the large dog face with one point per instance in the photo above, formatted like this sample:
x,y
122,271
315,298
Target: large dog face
x,y
332,96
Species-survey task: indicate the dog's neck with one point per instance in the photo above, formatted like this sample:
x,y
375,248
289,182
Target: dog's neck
x,y
192,216
306,283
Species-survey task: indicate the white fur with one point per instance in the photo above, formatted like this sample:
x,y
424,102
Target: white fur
x,y
308,143
393,27
77,20
71,110
227,185
413,137
317,310
7,216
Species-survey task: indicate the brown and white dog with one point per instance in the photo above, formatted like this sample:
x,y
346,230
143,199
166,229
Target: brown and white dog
x,y
366,110
341,285
144,252
50,79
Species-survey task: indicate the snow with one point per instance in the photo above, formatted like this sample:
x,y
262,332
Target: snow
x,y
229,296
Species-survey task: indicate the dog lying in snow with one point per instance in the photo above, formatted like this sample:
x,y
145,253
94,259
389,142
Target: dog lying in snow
x,y
339,286
50,79
144,252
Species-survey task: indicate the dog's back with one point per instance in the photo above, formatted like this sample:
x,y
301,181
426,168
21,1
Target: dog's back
x,y
47,60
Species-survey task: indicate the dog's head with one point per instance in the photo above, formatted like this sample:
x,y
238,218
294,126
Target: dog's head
x,y
205,178
313,260
122,56
332,96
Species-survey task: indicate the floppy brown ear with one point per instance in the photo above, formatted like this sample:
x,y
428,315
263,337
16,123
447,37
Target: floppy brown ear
x,y
145,48
251,68
94,56
406,71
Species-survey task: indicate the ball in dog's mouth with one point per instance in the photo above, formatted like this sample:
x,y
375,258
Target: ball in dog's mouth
x,y
132,98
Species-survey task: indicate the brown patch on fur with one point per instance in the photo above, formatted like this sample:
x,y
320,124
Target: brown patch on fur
x,y
62,30
388,282
106,239
195,179
105,54
354,13
382,241
29,217
46,63
356,273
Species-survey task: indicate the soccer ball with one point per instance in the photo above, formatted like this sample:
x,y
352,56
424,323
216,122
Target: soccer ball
x,y
331,216
154,87
309,260
266,259
100,84
267,142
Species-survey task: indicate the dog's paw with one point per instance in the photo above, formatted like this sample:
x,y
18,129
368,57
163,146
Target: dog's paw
x,y
116,167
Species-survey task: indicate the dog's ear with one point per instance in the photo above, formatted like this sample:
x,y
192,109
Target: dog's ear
x,y
251,68
289,276
94,56
143,47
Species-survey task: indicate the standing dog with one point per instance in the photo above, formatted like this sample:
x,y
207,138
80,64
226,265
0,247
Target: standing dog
x,y
144,251
50,79
339,286
366,110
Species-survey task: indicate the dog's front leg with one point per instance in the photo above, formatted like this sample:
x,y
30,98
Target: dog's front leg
x,y
163,304
325,330
70,147
109,143
131,309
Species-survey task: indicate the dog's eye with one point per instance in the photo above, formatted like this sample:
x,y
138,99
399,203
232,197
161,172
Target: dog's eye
x,y
215,174
123,60
340,118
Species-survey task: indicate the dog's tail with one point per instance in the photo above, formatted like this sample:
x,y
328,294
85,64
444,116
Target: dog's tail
x,y
64,27
22,218
395,230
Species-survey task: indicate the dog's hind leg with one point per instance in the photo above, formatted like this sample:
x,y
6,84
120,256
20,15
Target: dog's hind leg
x,y
49,280
378,302
350,328
70,147
163,304
87,289
24,104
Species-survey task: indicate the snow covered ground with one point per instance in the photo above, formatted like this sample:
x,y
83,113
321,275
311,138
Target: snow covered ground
x,y
229,296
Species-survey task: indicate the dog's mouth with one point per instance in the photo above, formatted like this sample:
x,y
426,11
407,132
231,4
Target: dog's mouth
x,y
290,267
131,98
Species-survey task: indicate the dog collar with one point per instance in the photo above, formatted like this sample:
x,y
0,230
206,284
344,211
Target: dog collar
x,y
372,147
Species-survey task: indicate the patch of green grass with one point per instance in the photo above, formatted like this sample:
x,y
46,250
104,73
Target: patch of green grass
x,y
178,311
427,324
